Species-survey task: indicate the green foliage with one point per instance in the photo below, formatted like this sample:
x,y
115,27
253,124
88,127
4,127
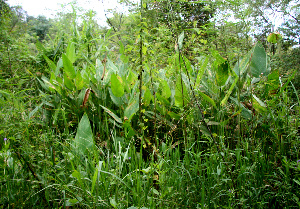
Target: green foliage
x,y
84,142
116,86
185,14
259,61
39,26
127,118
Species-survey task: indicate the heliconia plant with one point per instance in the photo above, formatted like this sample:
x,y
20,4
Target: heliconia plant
x,y
214,83
149,117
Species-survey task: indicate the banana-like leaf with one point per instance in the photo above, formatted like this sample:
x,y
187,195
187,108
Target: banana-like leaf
x,y
201,72
119,101
259,61
68,82
166,92
79,83
224,101
117,87
174,115
84,142
131,109
181,94
147,97
68,67
241,65
71,52
222,73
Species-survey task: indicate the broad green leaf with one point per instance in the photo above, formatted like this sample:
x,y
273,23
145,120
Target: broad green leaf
x,y
258,104
166,92
117,87
131,109
81,97
147,97
213,123
45,85
119,101
79,81
59,65
222,73
68,67
71,52
113,202
131,80
117,119
84,142
72,202
58,83
201,72
174,115
110,66
218,58
181,94
258,64
241,65
245,113
68,82
52,77
99,70
186,65
180,40
224,101
208,99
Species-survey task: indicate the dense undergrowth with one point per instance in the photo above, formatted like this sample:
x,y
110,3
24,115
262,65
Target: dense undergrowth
x,y
86,126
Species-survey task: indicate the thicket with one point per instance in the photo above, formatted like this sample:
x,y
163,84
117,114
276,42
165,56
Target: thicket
x,y
166,108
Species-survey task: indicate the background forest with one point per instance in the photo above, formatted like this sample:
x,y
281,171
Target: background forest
x,y
177,104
